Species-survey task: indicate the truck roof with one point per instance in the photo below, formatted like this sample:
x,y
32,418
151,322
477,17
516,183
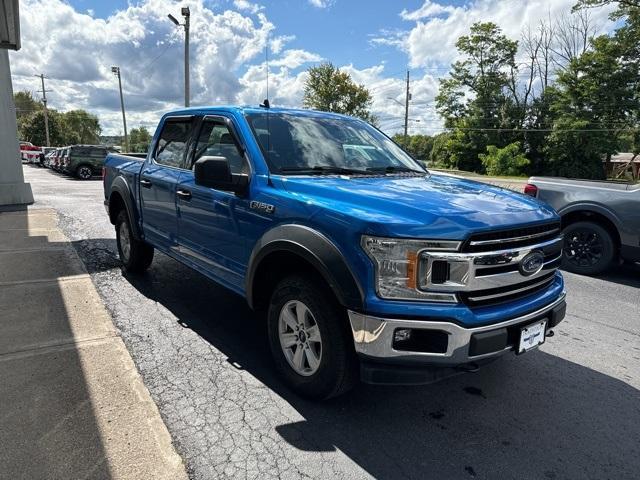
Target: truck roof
x,y
248,109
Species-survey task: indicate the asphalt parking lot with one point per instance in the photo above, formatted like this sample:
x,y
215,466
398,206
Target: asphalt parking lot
x,y
569,410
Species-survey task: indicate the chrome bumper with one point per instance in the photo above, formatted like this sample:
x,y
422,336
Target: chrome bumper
x,y
373,337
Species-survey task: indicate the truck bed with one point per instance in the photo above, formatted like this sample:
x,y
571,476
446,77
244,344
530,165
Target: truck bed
x,y
599,184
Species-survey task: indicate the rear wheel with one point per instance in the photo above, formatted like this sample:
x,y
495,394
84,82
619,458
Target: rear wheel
x,y
310,340
84,172
588,248
136,255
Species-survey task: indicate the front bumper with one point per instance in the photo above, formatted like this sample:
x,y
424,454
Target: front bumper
x,y
455,346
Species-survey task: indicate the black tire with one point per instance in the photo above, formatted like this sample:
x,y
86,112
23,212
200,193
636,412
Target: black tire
x,y
588,248
135,255
84,172
338,366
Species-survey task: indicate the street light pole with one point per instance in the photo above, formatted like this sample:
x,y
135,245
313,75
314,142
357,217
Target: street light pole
x,y
187,87
116,72
186,13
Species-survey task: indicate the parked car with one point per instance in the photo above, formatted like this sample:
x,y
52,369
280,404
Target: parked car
x,y
48,158
600,220
55,160
29,153
62,159
43,156
363,265
84,161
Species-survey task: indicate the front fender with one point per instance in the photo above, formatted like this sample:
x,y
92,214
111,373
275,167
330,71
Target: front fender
x,y
591,207
315,248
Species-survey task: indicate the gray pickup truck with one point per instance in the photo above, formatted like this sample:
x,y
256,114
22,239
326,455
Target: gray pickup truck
x,y
600,220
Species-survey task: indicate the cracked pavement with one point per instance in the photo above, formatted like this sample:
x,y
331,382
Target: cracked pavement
x,y
569,410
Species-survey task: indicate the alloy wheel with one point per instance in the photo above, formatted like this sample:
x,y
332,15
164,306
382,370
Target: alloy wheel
x,y
300,338
583,247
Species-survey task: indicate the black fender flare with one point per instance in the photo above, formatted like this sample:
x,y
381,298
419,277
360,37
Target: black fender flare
x,y
316,249
121,187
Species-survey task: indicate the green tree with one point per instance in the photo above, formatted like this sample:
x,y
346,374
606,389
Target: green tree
x,y
441,151
597,103
32,129
139,140
26,106
509,160
331,90
81,127
418,146
477,99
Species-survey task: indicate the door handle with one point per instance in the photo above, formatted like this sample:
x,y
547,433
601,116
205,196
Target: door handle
x,y
145,183
184,194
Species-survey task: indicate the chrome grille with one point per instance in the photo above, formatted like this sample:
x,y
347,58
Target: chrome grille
x,y
489,268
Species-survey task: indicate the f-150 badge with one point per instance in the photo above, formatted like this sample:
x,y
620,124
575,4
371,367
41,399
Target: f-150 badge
x,y
262,207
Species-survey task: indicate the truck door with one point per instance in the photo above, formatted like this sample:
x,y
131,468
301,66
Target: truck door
x,y
159,179
210,221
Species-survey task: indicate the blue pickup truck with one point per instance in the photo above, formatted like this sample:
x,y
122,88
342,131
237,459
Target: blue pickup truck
x,y
365,265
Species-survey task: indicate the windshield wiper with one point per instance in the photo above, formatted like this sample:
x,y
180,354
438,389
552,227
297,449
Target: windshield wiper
x,y
393,169
324,169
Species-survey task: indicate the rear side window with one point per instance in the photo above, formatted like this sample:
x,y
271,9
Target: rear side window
x,y
173,142
80,151
216,140
98,152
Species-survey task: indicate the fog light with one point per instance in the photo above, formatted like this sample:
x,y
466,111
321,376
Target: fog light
x,y
402,335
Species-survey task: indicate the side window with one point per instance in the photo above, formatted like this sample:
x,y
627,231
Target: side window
x,y
216,140
98,152
173,142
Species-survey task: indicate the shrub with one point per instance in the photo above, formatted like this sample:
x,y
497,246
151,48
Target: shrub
x,y
509,160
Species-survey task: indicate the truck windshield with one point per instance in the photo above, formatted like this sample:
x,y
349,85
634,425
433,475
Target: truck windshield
x,y
306,144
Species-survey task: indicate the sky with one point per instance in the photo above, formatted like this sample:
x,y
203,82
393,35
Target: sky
x,y
75,43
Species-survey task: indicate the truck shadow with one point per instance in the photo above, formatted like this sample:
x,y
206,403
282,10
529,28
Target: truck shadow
x,y
535,416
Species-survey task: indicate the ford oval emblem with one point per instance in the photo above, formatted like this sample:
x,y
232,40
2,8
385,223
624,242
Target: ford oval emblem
x,y
531,264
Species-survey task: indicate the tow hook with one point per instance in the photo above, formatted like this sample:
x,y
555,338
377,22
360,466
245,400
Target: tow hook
x,y
550,333
469,367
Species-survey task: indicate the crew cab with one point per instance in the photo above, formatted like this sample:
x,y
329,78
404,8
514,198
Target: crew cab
x,y
364,264
600,220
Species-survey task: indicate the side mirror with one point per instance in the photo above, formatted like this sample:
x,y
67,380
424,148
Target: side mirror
x,y
214,172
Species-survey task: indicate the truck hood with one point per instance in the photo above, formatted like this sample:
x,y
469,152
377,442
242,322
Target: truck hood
x,y
434,206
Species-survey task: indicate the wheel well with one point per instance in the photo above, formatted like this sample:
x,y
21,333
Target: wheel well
x,y
273,268
116,203
589,216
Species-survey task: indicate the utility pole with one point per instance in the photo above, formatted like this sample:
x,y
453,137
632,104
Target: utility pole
x,y
186,13
406,111
46,112
116,72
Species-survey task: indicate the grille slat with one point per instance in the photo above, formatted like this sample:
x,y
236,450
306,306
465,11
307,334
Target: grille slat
x,y
511,238
509,293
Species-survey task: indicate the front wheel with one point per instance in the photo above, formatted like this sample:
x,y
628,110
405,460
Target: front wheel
x,y
136,256
588,248
310,340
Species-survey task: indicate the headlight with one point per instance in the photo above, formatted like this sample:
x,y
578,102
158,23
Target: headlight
x,y
398,264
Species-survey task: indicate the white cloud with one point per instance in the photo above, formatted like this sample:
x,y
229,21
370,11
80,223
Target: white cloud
x,y
432,40
428,9
278,43
78,51
321,3
248,6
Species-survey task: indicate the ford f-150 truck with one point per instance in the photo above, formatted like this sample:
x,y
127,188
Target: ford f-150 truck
x,y
364,264
600,220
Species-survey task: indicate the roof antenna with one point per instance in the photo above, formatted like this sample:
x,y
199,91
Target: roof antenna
x,y
265,102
